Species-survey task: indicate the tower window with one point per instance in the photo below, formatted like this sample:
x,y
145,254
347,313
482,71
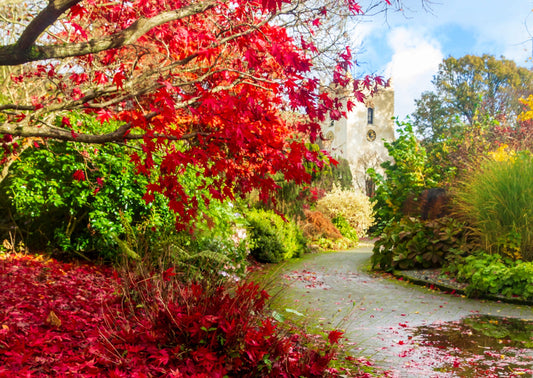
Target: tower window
x,y
370,116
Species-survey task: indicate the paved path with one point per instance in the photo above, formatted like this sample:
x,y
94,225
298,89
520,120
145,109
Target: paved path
x,y
377,313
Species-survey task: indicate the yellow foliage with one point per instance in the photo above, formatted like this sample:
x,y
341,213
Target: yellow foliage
x,y
528,114
503,153
355,207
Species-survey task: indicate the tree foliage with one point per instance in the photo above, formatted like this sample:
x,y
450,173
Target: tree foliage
x,y
213,75
404,177
468,89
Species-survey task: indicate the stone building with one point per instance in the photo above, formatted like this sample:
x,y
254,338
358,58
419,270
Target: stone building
x,y
360,137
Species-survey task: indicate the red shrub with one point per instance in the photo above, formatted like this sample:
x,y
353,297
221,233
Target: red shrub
x,y
220,331
60,319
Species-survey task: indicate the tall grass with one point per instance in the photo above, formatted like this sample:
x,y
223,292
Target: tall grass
x,y
497,200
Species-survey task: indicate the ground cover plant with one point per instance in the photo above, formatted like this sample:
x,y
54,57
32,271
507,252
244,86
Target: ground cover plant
x,y
70,318
494,274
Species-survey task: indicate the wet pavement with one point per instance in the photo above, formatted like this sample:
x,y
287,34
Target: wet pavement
x,y
392,321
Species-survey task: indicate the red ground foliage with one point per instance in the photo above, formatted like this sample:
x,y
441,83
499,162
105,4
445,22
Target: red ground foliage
x,y
50,316
63,319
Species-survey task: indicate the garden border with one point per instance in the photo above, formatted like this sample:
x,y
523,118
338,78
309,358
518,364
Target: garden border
x,y
419,277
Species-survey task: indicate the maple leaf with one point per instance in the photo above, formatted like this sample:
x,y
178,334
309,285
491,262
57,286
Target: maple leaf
x,y
104,115
359,96
100,77
273,5
53,320
65,121
77,11
334,336
118,79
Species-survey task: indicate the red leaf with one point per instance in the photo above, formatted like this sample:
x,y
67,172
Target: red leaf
x,y
65,121
78,175
77,11
167,274
100,77
334,336
104,115
118,79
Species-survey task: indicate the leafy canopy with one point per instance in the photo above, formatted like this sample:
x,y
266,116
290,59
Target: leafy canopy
x,y
215,75
468,89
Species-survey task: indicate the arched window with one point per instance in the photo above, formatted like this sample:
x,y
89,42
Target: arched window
x,y
370,116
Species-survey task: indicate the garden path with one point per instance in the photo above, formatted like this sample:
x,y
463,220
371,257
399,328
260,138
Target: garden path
x,y
381,316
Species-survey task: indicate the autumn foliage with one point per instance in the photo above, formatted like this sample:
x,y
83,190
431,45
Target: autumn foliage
x,y
201,84
60,319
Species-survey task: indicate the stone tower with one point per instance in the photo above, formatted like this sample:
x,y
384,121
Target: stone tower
x,y
359,138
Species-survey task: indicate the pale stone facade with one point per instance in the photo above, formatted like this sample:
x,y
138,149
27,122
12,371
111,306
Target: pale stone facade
x,y
359,138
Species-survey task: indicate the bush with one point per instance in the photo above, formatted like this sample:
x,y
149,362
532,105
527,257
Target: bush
x,y
348,206
321,230
413,243
345,228
404,177
494,274
59,199
97,323
272,239
75,198
497,200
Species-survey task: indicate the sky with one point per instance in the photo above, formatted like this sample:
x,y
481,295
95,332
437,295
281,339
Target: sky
x,y
409,45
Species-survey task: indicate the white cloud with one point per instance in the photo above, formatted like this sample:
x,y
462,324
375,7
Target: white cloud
x,y
414,62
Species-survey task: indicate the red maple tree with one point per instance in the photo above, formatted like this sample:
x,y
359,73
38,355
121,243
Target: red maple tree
x,y
199,83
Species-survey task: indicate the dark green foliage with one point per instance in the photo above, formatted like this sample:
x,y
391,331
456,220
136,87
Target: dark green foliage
x,y
69,197
272,239
412,243
494,274
292,198
340,175
405,177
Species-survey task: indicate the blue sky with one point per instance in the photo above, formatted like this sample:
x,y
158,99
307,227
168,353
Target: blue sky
x,y
408,46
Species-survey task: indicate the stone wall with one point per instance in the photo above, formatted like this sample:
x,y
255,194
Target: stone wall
x,y
359,137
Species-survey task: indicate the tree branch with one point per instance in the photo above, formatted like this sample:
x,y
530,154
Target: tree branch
x,y
25,50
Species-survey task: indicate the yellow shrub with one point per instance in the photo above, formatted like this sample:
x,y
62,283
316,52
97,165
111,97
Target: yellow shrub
x,y
503,153
528,114
353,206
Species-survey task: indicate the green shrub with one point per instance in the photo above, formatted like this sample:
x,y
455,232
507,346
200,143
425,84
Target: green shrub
x,y
69,197
348,206
413,243
497,200
345,228
271,238
83,199
405,176
494,274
